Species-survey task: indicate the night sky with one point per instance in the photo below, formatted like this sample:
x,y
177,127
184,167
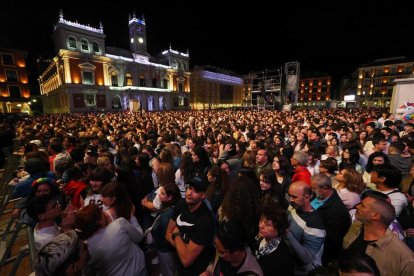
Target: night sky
x,y
331,37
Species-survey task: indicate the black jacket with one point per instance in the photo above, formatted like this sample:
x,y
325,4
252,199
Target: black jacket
x,y
337,222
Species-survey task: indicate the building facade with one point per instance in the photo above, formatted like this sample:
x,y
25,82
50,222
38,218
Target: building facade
x,y
315,91
211,89
372,83
85,75
14,82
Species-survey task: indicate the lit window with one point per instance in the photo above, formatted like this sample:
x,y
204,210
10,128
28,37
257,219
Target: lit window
x,y
128,79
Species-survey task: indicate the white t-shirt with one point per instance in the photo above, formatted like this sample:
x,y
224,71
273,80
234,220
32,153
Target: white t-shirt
x,y
398,200
45,235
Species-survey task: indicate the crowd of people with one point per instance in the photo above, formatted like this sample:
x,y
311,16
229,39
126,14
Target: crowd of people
x,y
217,192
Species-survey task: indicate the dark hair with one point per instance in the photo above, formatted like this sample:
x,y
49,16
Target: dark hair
x,y
241,202
171,189
102,174
353,261
54,190
285,166
122,203
330,164
392,174
37,205
231,234
77,154
370,165
271,211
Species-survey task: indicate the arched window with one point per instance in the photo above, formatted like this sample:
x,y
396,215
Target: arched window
x,y
95,47
114,79
84,45
128,79
72,43
174,64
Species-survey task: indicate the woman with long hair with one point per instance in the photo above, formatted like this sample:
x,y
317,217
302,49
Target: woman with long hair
x,y
284,171
301,141
376,158
351,156
270,189
169,196
241,203
362,138
249,159
115,197
185,173
350,185
218,182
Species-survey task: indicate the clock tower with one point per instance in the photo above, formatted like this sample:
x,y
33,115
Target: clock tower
x,y
137,35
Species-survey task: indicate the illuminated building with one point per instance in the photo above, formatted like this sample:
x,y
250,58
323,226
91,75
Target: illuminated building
x,y
314,91
14,84
372,83
212,88
85,75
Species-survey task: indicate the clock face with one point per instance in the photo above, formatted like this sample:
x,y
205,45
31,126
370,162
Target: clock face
x,y
140,40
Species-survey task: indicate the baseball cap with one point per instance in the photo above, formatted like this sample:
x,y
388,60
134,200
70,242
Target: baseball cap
x,y
199,184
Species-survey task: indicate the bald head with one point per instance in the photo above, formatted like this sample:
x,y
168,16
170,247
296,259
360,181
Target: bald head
x,y
300,195
302,186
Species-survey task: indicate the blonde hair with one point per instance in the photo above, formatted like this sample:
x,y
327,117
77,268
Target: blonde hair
x,y
353,181
249,159
102,160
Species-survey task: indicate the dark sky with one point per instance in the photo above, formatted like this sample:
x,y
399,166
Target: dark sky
x,y
324,36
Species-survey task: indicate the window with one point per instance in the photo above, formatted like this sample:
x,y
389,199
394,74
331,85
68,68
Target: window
x,y
95,47
128,79
154,82
72,43
165,83
379,73
180,86
7,59
90,99
114,79
174,64
11,75
141,80
14,91
87,77
180,101
84,45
